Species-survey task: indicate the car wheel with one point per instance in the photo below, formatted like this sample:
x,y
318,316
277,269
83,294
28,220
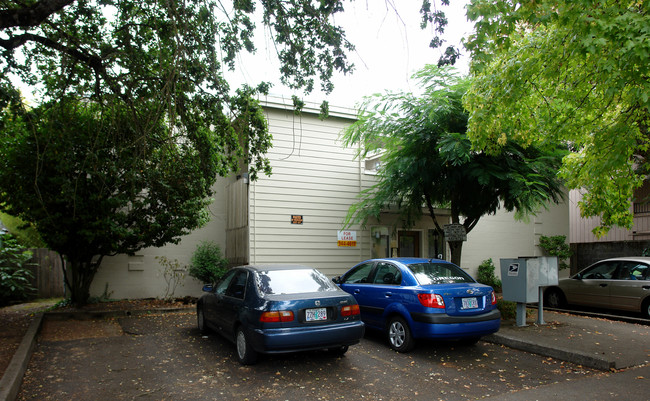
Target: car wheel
x,y
338,351
245,353
645,308
399,335
554,298
200,319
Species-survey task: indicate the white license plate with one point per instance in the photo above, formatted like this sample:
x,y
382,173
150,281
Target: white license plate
x,y
469,303
313,315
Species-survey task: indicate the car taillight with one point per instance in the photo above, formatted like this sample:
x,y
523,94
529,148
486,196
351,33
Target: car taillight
x,y
350,310
432,300
494,298
276,316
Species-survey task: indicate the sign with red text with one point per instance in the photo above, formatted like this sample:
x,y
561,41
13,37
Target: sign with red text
x,y
347,238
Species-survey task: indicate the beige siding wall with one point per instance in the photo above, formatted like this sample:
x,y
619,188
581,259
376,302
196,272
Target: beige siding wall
x,y
502,236
581,228
141,275
313,177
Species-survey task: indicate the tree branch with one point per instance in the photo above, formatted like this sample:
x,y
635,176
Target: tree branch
x,y
31,16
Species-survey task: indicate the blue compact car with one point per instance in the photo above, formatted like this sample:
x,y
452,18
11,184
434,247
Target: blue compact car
x,y
278,309
411,298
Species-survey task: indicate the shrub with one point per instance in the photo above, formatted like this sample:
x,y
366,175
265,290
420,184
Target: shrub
x,y
15,276
207,264
556,246
486,275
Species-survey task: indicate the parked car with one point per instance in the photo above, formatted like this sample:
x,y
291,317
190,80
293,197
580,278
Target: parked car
x,y
411,298
617,283
278,309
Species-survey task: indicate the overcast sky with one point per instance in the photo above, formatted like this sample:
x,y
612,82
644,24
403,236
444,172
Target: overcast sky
x,y
390,47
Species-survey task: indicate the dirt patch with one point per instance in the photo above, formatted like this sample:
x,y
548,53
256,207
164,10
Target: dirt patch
x,y
56,330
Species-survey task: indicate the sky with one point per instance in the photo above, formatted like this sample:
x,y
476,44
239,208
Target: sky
x,y
390,47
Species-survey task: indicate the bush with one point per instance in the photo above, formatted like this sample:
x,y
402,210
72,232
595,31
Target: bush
x,y
15,276
486,275
207,264
556,246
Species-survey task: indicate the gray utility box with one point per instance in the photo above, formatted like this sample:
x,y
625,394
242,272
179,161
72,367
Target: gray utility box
x,y
522,277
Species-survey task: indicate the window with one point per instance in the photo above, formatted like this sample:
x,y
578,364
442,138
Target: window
x,y
359,274
292,281
601,271
439,273
387,274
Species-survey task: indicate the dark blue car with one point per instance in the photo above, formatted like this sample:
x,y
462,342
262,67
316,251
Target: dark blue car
x,y
278,309
411,298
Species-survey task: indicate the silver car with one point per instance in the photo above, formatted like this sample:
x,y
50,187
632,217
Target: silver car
x,y
617,283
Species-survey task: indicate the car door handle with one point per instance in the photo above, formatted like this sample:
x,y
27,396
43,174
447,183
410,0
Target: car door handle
x,y
388,294
357,291
646,287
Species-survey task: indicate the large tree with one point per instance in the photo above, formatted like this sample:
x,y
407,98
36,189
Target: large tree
x,y
135,121
428,163
574,72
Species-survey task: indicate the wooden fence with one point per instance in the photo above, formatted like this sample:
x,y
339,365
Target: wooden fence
x,y
48,275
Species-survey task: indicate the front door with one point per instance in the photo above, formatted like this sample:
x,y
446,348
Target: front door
x,y
409,244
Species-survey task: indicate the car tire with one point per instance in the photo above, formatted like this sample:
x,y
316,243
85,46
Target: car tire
x,y
554,298
245,352
399,335
200,320
338,351
645,308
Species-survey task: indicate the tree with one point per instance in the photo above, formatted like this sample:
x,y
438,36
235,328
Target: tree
x,y
573,72
427,160
135,120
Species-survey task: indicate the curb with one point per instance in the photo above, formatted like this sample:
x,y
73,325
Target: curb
x,y
576,357
13,376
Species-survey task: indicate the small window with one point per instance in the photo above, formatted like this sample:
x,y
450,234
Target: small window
x,y
387,274
237,287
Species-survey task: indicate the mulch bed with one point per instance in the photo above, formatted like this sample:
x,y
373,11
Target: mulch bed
x,y
15,320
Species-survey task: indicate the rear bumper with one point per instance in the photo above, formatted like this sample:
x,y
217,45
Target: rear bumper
x,y
306,338
440,325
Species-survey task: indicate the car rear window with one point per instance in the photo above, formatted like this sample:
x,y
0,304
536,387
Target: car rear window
x,y
293,281
439,273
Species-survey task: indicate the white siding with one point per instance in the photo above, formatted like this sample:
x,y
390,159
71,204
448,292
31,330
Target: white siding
x,y
314,177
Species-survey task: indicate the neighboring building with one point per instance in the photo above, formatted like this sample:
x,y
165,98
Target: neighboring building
x,y
588,249
296,215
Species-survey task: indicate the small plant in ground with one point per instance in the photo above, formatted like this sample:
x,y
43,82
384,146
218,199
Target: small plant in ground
x,y
173,273
486,275
207,264
15,276
556,246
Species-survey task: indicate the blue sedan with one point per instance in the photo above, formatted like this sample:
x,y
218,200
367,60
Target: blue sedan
x,y
278,309
411,298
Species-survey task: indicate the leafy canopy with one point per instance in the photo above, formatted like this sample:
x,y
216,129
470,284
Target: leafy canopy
x,y
427,159
572,72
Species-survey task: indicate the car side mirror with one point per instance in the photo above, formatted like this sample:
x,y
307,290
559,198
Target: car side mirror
x,y
336,280
578,276
208,288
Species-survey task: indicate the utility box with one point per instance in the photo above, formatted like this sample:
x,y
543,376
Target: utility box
x,y
523,279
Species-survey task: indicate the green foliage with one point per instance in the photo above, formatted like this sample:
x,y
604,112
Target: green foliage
x,y
173,273
485,274
25,233
428,160
207,264
15,275
556,246
574,72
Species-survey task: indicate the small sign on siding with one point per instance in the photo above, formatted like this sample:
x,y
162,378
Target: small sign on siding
x,y
296,219
347,238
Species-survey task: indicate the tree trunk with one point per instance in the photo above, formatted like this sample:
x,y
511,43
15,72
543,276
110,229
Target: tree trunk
x,y
78,277
456,248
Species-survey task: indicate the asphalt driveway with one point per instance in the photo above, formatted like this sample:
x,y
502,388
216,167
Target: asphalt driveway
x,y
164,357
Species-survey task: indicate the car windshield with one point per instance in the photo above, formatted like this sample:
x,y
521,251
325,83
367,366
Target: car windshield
x,y
439,273
293,281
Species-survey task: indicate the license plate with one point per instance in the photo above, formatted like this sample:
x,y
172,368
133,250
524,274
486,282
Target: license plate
x,y
313,315
469,303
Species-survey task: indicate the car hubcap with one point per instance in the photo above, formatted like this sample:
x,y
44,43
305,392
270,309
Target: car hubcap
x,y
241,344
396,334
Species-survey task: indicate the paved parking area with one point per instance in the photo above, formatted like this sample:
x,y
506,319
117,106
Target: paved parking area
x,y
164,357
